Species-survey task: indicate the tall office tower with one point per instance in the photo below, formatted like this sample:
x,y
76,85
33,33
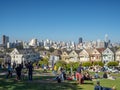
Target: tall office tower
x,y
80,40
33,42
5,40
106,38
107,41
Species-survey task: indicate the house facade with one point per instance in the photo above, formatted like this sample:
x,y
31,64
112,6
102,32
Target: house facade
x,y
73,56
95,55
25,55
117,55
108,55
65,56
54,57
84,56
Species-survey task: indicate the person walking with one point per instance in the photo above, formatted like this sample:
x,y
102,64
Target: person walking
x,y
79,74
18,71
9,70
30,71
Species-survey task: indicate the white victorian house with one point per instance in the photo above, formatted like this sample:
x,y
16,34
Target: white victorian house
x,y
24,55
73,56
108,55
84,56
117,55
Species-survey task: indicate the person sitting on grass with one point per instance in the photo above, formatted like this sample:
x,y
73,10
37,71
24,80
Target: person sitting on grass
x,y
98,86
105,75
87,76
96,76
114,88
111,77
45,68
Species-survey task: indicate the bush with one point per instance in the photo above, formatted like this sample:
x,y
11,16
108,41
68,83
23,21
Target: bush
x,y
87,64
112,63
43,61
67,66
98,63
61,63
75,65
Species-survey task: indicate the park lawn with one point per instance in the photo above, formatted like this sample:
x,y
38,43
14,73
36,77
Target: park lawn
x,y
40,83
12,84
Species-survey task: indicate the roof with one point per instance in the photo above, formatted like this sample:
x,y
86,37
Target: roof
x,y
57,52
113,50
89,51
100,49
78,51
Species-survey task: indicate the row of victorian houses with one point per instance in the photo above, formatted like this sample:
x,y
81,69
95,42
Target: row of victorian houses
x,y
84,55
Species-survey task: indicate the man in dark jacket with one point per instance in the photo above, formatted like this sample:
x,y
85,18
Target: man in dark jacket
x,y
18,71
30,71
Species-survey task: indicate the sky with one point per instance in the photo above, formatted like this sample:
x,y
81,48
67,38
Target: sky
x,y
60,20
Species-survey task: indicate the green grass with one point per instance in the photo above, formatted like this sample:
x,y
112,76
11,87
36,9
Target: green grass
x,y
40,83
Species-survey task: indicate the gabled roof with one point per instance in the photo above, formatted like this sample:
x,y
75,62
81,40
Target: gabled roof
x,y
112,50
78,51
24,51
118,50
57,52
83,50
68,52
89,51
100,50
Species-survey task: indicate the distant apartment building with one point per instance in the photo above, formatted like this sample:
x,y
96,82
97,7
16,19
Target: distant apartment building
x,y
80,40
5,40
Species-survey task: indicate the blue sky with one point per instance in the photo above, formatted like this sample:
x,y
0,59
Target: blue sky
x,y
60,19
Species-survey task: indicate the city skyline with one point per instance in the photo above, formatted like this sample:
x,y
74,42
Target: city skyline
x,y
60,20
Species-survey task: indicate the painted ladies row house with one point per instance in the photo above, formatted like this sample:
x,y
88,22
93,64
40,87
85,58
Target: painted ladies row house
x,y
84,55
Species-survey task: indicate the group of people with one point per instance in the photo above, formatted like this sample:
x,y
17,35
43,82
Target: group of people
x,y
19,69
79,76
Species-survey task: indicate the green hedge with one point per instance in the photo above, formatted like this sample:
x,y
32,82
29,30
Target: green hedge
x,y
113,63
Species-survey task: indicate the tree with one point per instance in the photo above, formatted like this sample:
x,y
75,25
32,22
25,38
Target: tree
x,y
51,49
98,63
43,61
61,63
87,64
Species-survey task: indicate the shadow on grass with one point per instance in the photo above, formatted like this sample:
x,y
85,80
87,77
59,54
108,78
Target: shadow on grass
x,y
90,83
12,84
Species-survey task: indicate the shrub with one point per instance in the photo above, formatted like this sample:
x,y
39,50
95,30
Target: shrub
x,y
98,63
61,63
113,63
87,64
43,61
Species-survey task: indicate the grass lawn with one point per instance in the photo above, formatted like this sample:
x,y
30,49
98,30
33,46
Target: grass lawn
x,y
41,83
